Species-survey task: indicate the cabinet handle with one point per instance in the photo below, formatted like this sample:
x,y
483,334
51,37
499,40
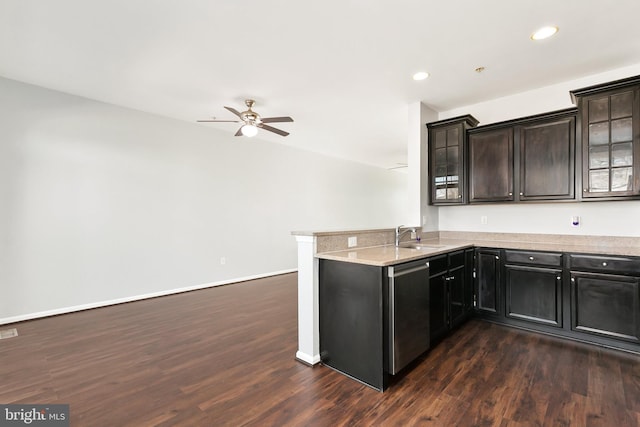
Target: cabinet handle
x,y
558,278
511,194
530,258
573,280
497,257
521,193
604,264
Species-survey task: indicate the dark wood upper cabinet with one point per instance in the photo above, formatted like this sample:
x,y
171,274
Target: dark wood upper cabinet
x,y
491,165
609,124
547,165
591,152
531,158
447,160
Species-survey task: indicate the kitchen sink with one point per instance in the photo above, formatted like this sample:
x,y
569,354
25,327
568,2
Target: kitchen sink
x,y
419,246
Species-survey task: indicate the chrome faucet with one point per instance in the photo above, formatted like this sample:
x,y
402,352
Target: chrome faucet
x,y
400,233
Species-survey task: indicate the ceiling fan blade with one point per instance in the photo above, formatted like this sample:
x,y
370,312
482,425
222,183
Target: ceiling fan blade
x,y
218,121
234,111
272,129
239,133
276,119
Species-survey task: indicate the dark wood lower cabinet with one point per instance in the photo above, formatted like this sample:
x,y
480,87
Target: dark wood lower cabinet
x,y
606,305
534,294
374,321
589,298
450,292
488,283
533,288
438,305
351,320
457,310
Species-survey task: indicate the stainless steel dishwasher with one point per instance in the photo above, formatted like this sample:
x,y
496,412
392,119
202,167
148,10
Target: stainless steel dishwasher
x,y
408,313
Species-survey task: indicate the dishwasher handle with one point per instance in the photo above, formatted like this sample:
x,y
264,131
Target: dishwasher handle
x,y
397,272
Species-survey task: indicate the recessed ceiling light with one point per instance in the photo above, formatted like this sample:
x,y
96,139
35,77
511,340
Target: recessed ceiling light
x,y
420,75
544,33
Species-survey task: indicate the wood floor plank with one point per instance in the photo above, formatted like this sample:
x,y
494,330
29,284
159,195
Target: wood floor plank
x,y
225,357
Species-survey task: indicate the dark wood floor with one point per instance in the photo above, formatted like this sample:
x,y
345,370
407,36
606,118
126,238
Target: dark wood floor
x,y
225,357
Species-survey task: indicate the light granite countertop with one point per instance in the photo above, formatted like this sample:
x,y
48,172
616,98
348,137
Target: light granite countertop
x,y
390,254
385,255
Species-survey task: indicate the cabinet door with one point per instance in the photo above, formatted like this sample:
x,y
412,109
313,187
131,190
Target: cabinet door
x,y
606,305
534,294
446,164
456,285
491,165
611,143
468,280
438,308
488,281
447,160
547,160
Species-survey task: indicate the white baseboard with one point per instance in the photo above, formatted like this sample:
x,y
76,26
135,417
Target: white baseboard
x,y
308,359
65,310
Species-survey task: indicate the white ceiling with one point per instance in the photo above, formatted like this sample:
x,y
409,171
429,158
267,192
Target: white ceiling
x,y
341,68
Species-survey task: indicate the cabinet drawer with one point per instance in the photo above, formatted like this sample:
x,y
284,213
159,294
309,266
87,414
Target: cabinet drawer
x,y
534,258
456,259
438,264
605,264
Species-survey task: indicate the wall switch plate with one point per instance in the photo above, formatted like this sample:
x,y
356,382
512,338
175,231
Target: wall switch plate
x,y
414,235
575,221
484,220
352,241
223,261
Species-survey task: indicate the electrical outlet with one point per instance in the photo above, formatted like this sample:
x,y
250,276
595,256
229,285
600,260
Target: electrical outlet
x,y
352,241
484,220
575,221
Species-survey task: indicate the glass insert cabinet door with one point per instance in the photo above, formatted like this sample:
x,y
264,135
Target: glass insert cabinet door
x,y
610,116
447,159
447,155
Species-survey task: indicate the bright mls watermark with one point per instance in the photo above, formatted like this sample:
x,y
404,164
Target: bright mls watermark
x,y
34,415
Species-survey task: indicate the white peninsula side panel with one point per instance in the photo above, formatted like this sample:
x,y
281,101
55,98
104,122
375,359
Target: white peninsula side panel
x,y
308,320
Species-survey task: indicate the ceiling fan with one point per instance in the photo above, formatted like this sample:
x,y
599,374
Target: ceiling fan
x,y
251,121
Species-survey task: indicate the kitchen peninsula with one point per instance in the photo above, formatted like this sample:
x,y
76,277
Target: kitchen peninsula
x,y
585,288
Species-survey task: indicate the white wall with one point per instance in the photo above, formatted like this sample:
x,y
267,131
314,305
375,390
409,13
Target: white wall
x,y
100,203
419,212
598,218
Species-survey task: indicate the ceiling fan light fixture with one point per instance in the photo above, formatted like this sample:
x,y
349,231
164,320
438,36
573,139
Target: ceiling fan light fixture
x,y
251,121
249,130
544,33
